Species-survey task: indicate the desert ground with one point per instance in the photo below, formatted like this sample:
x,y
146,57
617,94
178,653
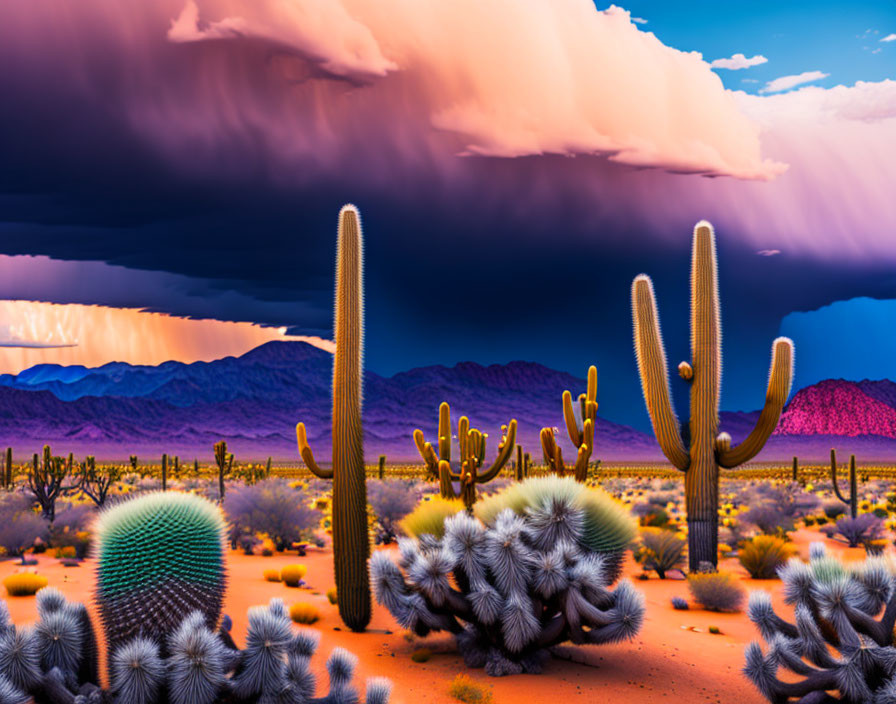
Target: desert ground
x,y
673,656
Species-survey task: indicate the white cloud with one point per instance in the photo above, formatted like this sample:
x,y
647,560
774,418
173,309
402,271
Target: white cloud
x,y
739,61
889,38
768,252
788,82
641,20
749,80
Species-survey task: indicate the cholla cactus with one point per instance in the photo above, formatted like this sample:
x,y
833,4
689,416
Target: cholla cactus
x,y
529,571
55,661
841,639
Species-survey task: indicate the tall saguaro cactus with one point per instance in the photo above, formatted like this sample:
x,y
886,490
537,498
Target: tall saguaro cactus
x,y
582,438
707,449
351,543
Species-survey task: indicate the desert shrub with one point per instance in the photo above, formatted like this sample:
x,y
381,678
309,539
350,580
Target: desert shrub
x,y
465,689
271,575
833,509
421,655
271,507
763,555
679,604
24,584
68,552
716,591
660,551
429,517
391,500
20,527
768,519
332,596
303,612
650,515
71,527
292,575
855,531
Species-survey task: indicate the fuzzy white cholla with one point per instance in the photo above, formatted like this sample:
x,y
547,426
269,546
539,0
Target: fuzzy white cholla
x,y
841,636
509,590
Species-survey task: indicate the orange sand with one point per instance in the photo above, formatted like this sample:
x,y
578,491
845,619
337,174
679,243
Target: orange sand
x,y
666,661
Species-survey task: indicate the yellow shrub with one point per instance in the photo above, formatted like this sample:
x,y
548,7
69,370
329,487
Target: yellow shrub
x,y
272,575
292,575
429,517
465,689
66,552
303,612
332,596
421,655
24,584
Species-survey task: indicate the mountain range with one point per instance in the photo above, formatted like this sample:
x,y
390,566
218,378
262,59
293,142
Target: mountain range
x,y
254,401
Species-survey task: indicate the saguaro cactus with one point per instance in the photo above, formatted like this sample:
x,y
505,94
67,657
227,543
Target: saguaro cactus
x,y
381,467
582,438
853,499
796,469
164,472
351,542
472,445
225,464
9,477
707,449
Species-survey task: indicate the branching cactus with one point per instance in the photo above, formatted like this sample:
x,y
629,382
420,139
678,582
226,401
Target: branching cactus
x,y
840,639
55,662
351,541
532,569
582,438
472,446
705,449
159,558
853,499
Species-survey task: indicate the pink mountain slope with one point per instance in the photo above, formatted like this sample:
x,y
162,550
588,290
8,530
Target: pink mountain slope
x,y
837,407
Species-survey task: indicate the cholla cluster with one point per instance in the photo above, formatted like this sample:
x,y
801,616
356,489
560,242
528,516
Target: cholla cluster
x,y
57,661
841,638
530,571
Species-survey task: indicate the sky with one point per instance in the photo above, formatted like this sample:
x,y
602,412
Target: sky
x,y
516,165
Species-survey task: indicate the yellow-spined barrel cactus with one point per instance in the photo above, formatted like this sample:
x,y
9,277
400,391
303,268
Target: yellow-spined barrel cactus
x,y
160,557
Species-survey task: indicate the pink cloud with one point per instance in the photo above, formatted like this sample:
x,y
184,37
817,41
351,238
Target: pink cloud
x,y
386,93
439,79
94,335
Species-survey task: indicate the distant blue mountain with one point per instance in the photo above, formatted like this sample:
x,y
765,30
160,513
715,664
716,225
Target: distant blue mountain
x,y
254,401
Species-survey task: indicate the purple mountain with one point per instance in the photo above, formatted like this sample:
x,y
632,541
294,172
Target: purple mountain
x,y
255,400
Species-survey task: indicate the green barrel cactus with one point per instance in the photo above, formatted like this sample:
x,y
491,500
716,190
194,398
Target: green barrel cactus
x,y
160,557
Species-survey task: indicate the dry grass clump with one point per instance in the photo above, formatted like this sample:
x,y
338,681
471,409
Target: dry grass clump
x,y
24,584
465,689
303,612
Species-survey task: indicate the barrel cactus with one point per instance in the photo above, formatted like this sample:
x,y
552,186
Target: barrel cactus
x,y
840,640
160,557
530,570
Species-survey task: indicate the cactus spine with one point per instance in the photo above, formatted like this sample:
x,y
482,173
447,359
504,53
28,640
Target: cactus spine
x,y
582,438
472,445
351,542
853,499
708,449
